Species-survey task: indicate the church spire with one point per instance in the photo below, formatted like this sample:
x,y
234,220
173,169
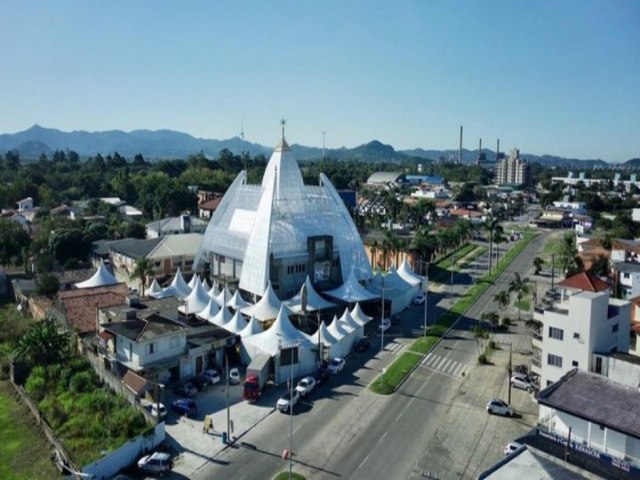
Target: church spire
x,y
283,143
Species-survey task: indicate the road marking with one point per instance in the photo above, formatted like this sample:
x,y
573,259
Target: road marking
x,y
458,370
439,363
441,372
362,462
445,365
426,359
382,437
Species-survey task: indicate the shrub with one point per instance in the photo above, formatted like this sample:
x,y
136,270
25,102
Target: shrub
x,y
36,387
482,359
81,382
492,344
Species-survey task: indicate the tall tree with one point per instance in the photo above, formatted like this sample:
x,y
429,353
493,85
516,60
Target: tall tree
x,y
492,224
520,286
503,299
43,344
143,270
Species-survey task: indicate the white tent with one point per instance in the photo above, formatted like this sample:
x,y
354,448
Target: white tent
x,y
252,328
313,301
101,278
213,291
178,287
408,275
352,323
236,324
205,285
154,289
237,302
209,312
351,291
324,338
223,297
283,335
398,292
222,317
267,308
359,316
193,281
196,301
343,334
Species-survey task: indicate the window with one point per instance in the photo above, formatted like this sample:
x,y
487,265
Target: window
x,y
574,364
576,335
151,348
599,365
556,333
614,329
554,360
549,382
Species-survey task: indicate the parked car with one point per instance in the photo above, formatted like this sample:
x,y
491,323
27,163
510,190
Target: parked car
x,y
158,463
322,375
362,344
212,375
384,325
499,407
234,376
305,386
185,406
419,299
512,447
522,381
336,365
287,401
185,389
200,382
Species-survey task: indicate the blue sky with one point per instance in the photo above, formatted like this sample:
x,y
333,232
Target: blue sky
x,y
559,77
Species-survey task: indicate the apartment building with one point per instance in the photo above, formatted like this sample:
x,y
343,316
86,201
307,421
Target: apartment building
x,y
584,320
511,170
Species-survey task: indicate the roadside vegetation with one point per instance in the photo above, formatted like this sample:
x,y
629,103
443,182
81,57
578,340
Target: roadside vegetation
x,y
396,373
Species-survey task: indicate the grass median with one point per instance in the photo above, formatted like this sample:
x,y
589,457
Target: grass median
x,y
402,366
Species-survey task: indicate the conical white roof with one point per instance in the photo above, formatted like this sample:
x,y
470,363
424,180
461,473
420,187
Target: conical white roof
x,y
209,312
323,335
237,302
314,300
408,274
252,328
359,316
236,324
336,330
281,333
222,317
205,285
178,286
154,289
213,291
193,281
196,301
101,278
267,308
348,320
223,297
351,291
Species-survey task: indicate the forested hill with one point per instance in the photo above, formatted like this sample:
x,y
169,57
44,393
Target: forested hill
x,y
168,144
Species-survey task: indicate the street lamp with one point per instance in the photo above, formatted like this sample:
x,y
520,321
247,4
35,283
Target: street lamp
x,y
425,289
290,347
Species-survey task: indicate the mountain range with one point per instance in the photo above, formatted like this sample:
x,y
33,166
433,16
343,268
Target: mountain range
x,y
163,144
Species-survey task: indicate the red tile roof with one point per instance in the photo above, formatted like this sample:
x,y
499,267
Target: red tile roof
x,y
584,281
135,382
211,204
81,305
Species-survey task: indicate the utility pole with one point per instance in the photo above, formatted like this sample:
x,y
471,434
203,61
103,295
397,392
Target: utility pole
x,y
226,363
382,327
426,296
290,411
553,268
566,450
453,265
510,373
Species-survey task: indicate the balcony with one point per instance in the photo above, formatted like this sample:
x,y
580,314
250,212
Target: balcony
x,y
536,366
536,341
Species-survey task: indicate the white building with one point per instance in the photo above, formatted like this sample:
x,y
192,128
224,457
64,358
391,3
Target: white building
x,y
511,170
629,278
176,226
281,231
585,321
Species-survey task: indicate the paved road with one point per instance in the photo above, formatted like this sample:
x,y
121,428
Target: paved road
x,y
344,430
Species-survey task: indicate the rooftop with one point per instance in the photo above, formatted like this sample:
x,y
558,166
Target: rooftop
x,y
153,326
596,399
628,267
584,281
81,305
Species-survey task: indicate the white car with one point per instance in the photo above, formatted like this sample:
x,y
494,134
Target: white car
x,y
234,376
336,365
384,325
499,407
512,447
305,386
419,299
158,463
287,401
212,375
521,381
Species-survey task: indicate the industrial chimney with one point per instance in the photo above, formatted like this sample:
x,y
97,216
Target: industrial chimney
x,y
460,152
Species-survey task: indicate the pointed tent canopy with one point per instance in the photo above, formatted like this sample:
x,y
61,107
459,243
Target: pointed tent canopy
x,y
178,287
222,317
267,308
335,330
323,335
408,275
101,278
348,320
154,289
359,316
281,333
209,312
237,302
205,285
223,297
252,328
196,301
214,290
351,291
193,281
236,324
314,300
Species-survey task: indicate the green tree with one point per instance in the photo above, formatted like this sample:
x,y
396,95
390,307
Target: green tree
x,y
142,270
503,299
538,263
44,344
492,225
13,239
520,286
48,284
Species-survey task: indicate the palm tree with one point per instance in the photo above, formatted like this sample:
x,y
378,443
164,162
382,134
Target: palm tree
x,y
498,238
43,344
492,318
519,286
491,224
538,263
503,299
143,270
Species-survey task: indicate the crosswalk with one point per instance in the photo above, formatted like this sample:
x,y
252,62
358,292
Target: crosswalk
x,y
445,365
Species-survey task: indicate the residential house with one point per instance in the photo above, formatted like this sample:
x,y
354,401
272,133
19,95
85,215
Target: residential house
x,y
176,225
209,204
25,205
583,321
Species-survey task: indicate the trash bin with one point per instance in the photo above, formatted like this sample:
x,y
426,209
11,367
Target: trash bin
x,y
224,437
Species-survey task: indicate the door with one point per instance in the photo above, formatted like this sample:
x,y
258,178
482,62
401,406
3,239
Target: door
x,y
199,368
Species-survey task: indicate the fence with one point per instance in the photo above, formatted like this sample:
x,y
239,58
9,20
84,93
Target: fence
x,y
44,426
